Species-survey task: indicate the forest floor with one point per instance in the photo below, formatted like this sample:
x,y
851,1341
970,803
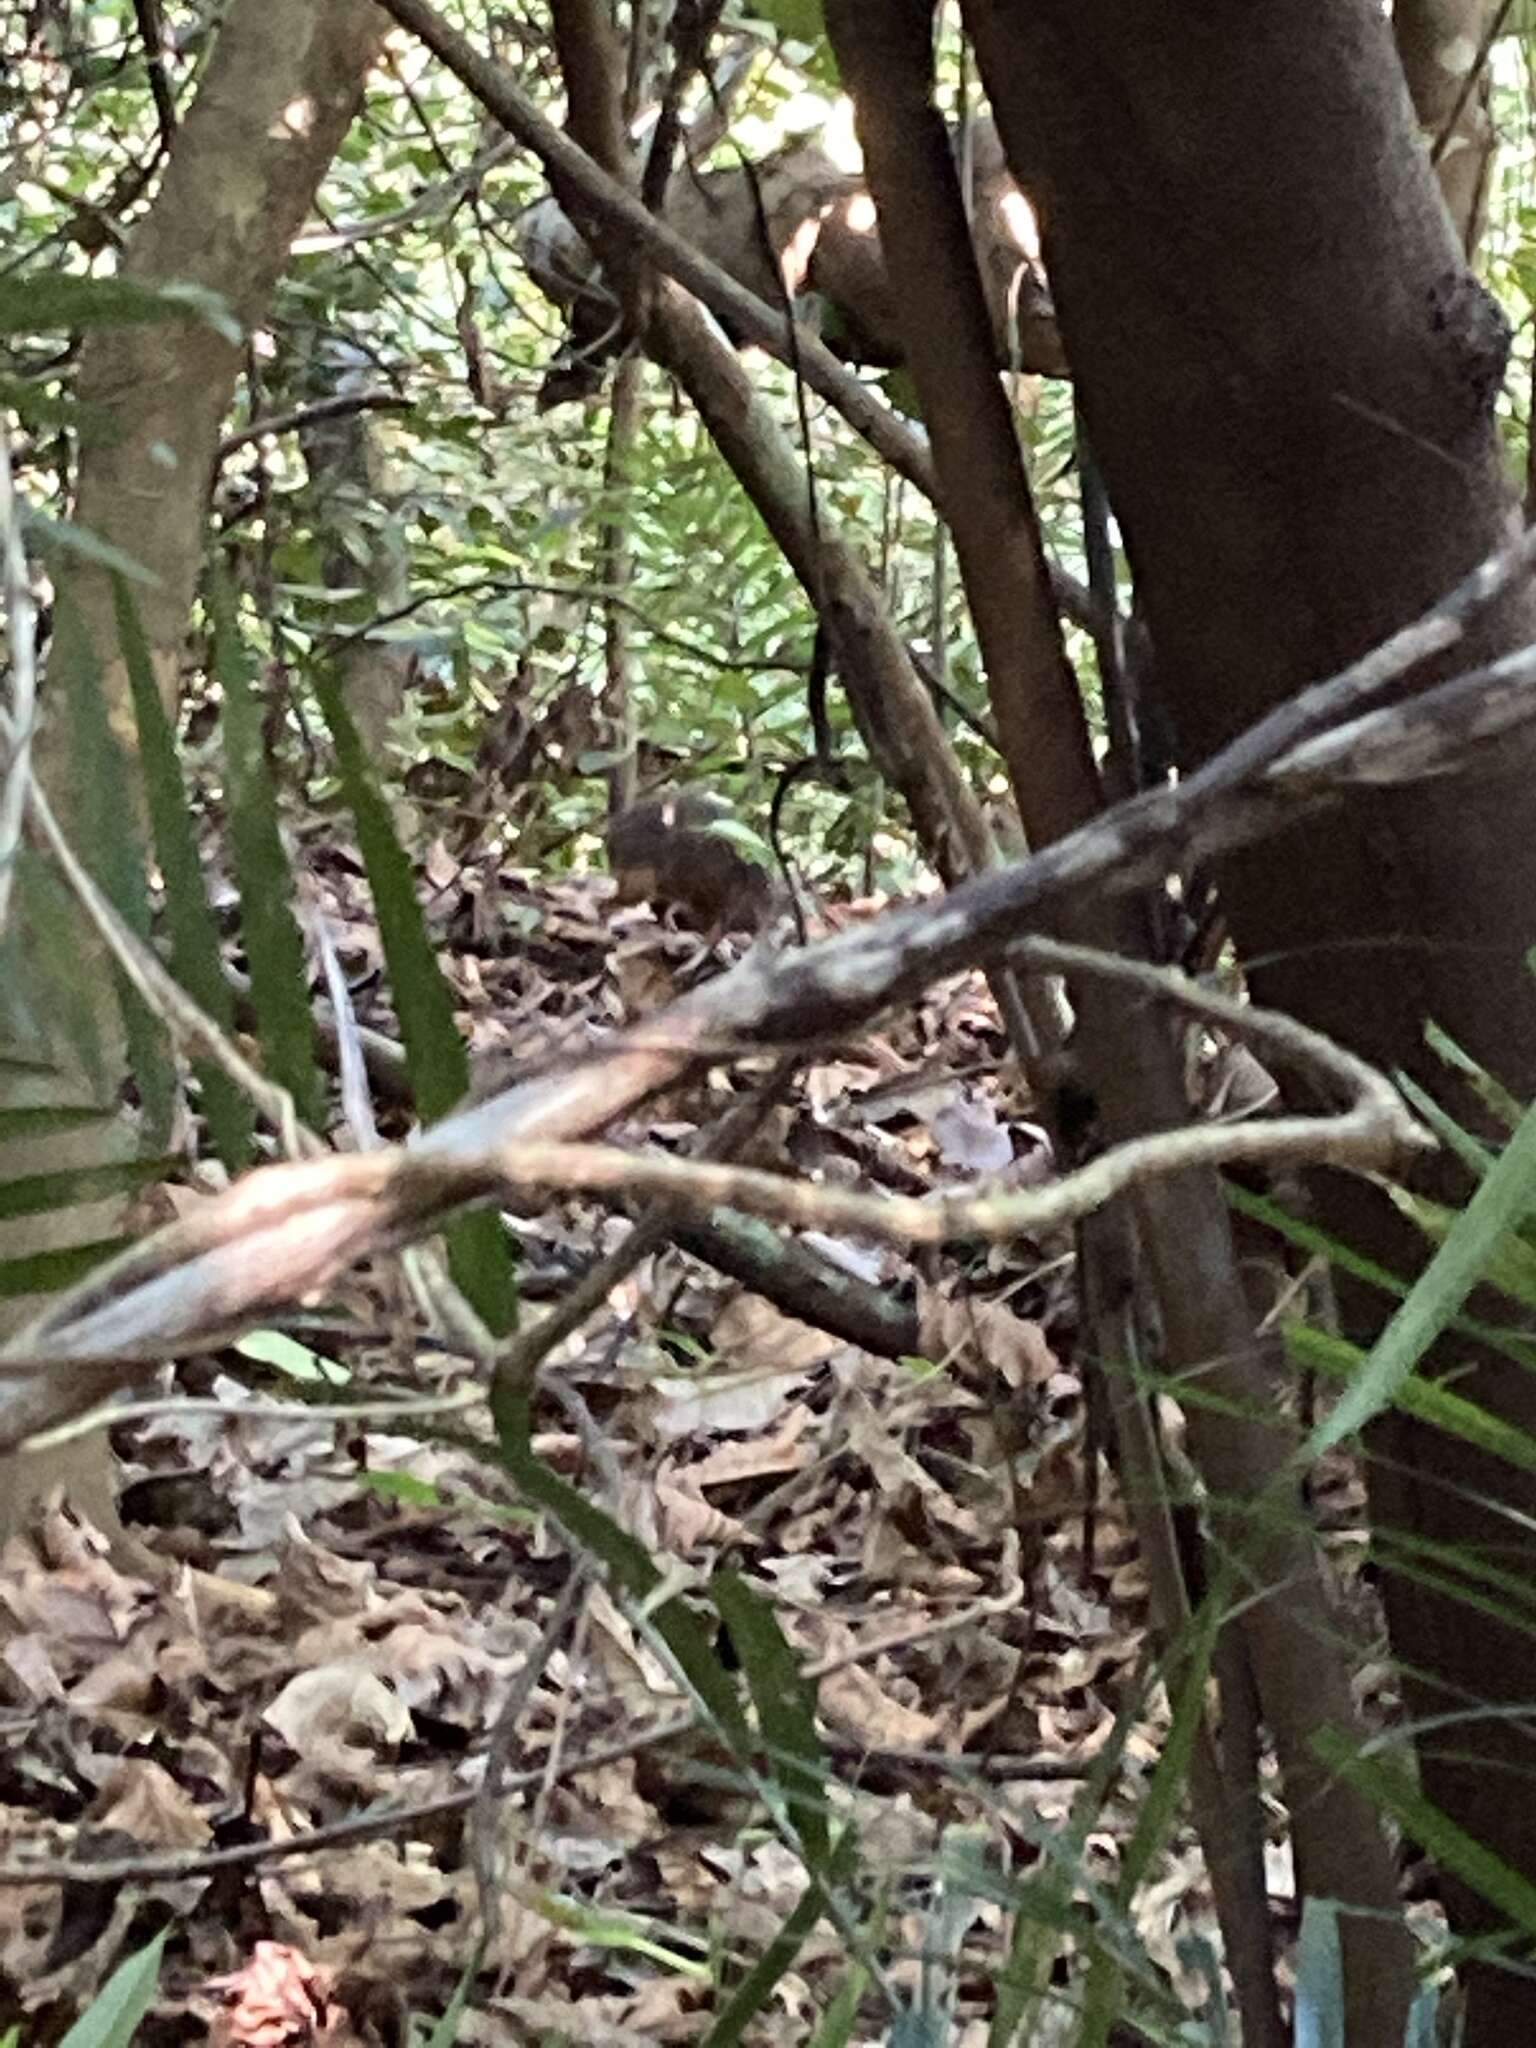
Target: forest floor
x,y
340,1612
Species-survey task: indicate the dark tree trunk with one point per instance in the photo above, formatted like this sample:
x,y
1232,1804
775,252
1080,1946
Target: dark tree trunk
x,y
1289,377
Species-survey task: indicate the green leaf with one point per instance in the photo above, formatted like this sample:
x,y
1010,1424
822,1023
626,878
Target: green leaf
x,y
51,302
1497,1099
757,1986
39,1194
742,836
273,946
1318,1242
786,1711
1475,1156
20,1065
1042,1912
62,536
803,19
841,2016
1502,1200
1104,1991
446,2031
804,22
113,2015
294,1360
404,1487
628,1563
1510,1264
1388,1785
45,1000
105,821
479,1253
50,1272
195,956
1429,1400
900,388
604,1928
36,407
48,1120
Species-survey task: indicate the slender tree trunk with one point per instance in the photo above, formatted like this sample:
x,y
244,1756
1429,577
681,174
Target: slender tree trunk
x,y
281,88
348,477
1443,45
1289,377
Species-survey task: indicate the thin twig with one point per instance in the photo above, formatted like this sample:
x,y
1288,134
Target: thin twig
x,y
301,416
189,1025
381,1413
483,1837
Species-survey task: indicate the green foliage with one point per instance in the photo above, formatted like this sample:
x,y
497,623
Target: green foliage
x,y
627,1562
498,517
756,1987
274,946
51,1272
1395,1789
1471,1246
295,1361
108,841
41,302
194,938
38,1194
479,1254
786,1712
114,2014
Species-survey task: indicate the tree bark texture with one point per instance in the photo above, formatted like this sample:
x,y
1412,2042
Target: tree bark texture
x,y
281,88
1288,375
1133,1067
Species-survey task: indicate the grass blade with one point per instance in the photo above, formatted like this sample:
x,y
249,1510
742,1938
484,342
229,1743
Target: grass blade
x,y
195,957
479,1254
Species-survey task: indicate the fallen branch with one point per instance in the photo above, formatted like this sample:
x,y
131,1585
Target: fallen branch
x,y
287,1230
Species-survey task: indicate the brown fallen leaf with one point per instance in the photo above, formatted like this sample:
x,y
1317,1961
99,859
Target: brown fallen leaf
x,y
855,1704
1011,1345
783,1451
143,1800
751,1332
686,1521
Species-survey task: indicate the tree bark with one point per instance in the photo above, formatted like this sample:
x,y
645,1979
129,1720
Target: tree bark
x,y
281,88
1132,1066
1289,375
348,476
1443,45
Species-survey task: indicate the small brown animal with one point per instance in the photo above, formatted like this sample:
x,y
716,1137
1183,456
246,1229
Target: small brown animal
x,y
668,851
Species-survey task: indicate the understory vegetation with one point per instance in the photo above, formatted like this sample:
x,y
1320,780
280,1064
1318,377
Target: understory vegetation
x,y
767,1024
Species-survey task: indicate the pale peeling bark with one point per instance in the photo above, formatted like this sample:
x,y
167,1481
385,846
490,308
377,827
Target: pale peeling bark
x,y
281,88
1443,45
